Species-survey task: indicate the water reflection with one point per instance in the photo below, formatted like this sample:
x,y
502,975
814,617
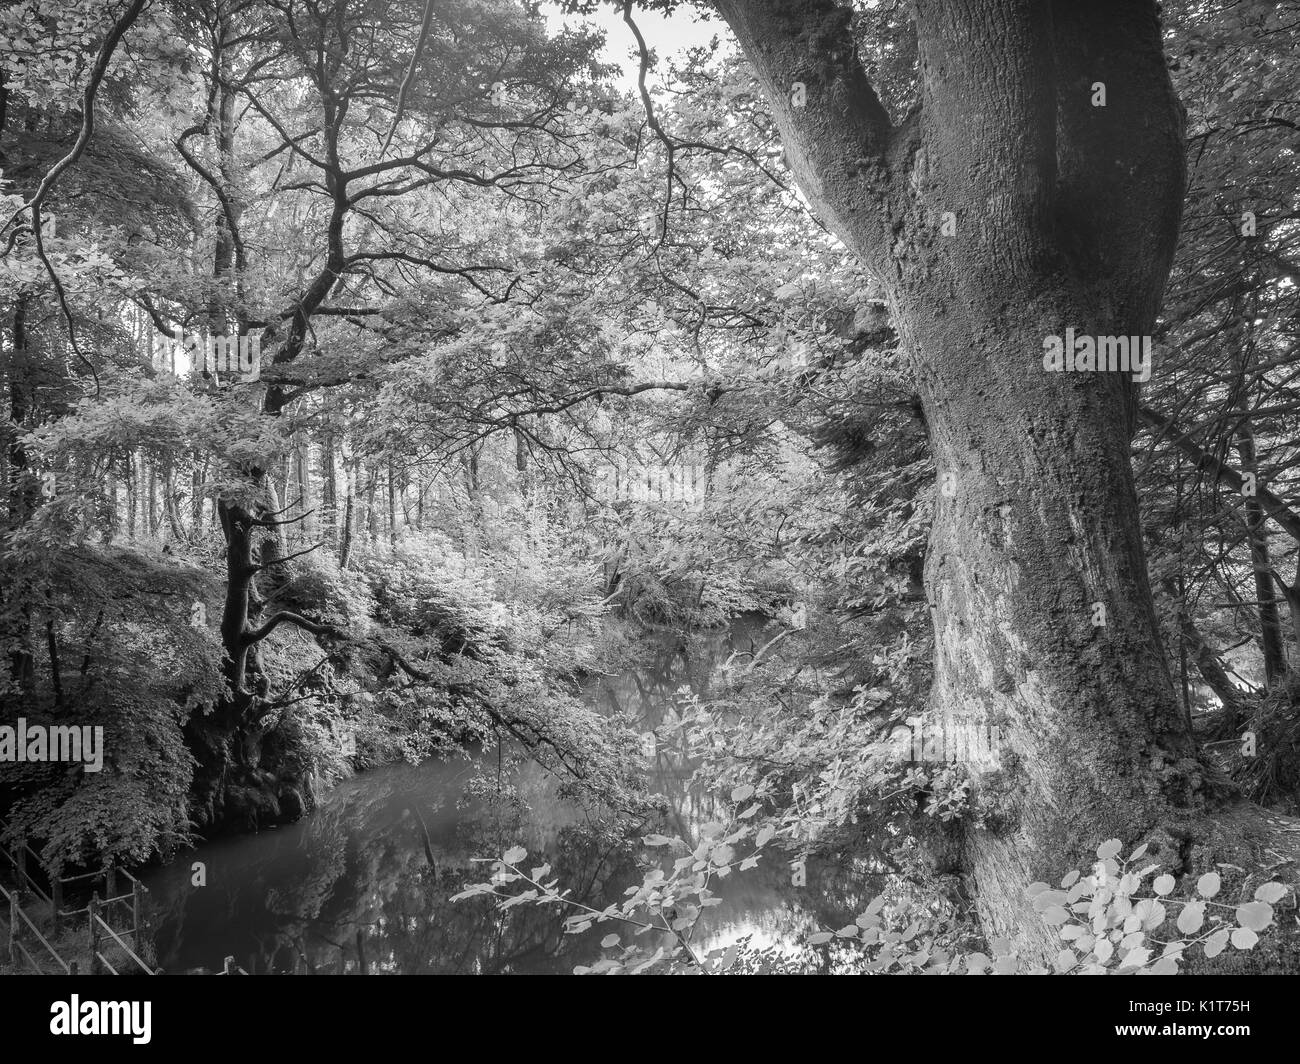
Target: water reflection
x,y
363,885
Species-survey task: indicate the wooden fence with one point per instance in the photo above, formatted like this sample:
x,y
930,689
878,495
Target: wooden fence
x,y
20,859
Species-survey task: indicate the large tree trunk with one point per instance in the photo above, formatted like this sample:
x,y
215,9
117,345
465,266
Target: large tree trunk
x,y
1004,210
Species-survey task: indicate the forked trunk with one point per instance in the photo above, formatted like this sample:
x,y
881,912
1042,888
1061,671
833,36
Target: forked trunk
x,y
1031,199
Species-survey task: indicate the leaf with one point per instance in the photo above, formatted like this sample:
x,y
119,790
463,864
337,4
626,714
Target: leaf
x,y
1215,943
1150,913
820,939
609,940
1055,915
742,792
1164,966
1070,879
765,834
750,811
848,931
1108,849
1192,917
1163,885
1270,893
1244,938
656,840
1139,852
514,855
1255,915
1208,885
1065,960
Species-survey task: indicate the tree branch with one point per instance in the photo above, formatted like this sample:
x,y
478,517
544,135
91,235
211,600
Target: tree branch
x,y
1275,507
836,132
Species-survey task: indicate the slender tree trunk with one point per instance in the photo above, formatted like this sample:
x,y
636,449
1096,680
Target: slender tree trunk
x,y
22,487
349,513
113,516
392,507
169,500
153,510
22,500
1270,621
372,486
197,483
302,485
132,494
329,490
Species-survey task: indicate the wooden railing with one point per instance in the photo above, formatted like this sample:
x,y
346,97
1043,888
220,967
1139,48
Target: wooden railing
x,y
97,958
18,856
19,952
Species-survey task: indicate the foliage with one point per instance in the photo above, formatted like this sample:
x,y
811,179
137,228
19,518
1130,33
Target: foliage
x,y
1111,921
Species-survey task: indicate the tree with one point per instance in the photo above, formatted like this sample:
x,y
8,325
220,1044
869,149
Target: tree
x,y
1034,187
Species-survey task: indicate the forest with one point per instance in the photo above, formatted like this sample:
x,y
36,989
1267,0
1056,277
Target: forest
x,y
640,487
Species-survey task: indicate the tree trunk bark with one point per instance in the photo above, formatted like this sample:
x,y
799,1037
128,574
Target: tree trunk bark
x,y
1270,620
392,507
302,486
1006,209
329,490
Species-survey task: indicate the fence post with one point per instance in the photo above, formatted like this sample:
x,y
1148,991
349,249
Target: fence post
x,y
14,956
135,911
110,886
96,966
229,963
343,962
21,854
56,901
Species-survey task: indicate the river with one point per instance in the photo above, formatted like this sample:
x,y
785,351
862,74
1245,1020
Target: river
x,y
349,888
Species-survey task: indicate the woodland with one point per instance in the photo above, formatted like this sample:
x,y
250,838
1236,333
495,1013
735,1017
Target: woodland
x,y
380,377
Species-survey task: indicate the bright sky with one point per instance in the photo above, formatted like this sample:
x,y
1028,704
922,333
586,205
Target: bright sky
x,y
667,36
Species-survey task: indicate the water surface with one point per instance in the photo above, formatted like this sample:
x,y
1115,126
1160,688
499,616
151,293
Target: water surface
x,y
351,887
